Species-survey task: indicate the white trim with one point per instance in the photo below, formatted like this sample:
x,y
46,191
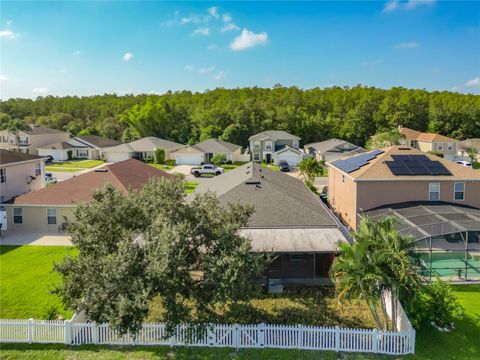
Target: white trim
x,y
454,191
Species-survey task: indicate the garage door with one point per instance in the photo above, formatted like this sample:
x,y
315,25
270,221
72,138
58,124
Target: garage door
x,y
188,159
291,159
115,157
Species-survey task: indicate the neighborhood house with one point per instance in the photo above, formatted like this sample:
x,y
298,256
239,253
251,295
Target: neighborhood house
x,y
142,149
275,146
333,149
428,142
28,141
204,152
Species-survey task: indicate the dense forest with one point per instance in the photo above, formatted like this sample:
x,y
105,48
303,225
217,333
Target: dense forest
x,y
353,114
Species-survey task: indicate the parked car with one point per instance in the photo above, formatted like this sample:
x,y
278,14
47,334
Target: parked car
x,y
207,169
283,165
48,159
50,179
464,163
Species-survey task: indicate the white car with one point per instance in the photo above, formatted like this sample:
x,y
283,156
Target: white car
x,y
207,169
464,163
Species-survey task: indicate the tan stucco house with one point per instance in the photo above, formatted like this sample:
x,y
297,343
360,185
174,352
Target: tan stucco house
x,y
397,174
141,149
428,142
268,146
49,208
332,149
204,151
30,140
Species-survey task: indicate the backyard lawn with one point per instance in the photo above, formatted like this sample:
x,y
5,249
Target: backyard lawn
x,y
26,279
73,165
167,165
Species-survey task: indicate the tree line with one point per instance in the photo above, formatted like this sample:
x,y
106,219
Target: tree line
x,y
353,114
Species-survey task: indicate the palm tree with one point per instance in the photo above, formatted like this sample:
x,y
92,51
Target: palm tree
x,y
309,168
473,153
378,261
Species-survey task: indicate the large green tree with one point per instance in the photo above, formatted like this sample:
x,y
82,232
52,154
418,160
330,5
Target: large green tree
x,y
190,254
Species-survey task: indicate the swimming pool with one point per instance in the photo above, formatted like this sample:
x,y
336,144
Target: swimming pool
x,y
450,265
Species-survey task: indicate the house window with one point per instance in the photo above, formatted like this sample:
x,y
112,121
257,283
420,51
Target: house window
x,y
450,147
82,153
343,178
459,189
434,191
17,216
256,145
440,147
268,145
51,216
23,141
3,176
295,144
38,169
256,157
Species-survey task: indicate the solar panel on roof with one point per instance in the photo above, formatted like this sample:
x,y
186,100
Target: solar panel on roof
x,y
415,165
356,162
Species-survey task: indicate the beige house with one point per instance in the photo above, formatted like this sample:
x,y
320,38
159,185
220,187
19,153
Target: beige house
x,y
267,145
204,152
464,147
396,175
141,149
50,208
20,173
428,142
29,141
332,149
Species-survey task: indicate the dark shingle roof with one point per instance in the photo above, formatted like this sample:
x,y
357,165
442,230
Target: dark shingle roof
x,y
11,157
275,135
99,141
215,146
279,200
334,146
41,130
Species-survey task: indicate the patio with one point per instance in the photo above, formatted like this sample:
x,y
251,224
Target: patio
x,y
43,238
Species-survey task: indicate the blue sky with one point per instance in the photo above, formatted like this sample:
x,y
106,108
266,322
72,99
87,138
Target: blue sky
x,y
86,48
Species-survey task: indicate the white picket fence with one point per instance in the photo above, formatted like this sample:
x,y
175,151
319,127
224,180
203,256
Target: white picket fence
x,y
235,336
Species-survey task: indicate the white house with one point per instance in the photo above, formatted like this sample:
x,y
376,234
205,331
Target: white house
x,y
141,149
204,152
291,155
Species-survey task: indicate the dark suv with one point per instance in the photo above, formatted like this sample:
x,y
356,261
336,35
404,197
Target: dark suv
x,y
283,165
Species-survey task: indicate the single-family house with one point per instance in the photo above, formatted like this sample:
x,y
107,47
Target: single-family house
x,y
204,152
20,173
141,149
51,207
30,140
332,149
78,147
465,146
289,221
275,146
428,142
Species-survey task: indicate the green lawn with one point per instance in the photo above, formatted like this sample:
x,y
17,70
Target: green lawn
x,y
271,167
232,166
191,185
167,165
26,279
73,165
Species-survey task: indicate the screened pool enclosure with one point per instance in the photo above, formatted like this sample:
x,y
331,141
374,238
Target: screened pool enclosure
x,y
447,236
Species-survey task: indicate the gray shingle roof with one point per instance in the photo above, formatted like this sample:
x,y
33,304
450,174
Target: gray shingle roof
x,y
279,200
41,130
146,144
11,157
99,141
335,146
469,143
215,146
275,135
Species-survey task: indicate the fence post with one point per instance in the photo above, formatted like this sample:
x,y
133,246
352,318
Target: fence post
x,y
337,338
375,340
210,335
261,334
94,333
30,330
412,339
171,339
299,336
236,334
67,331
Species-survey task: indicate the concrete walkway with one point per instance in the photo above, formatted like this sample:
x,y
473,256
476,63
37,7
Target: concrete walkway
x,y
21,237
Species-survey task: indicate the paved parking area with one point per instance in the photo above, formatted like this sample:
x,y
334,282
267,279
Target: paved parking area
x,y
23,237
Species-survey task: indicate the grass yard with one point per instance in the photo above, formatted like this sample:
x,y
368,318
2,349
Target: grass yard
x,y
26,279
191,185
232,166
271,167
167,165
73,165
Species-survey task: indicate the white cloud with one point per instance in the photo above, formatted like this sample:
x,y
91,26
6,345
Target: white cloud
x,y
127,56
219,76
473,83
9,23
40,90
189,67
3,78
186,20
229,27
248,39
407,45
206,70
455,88
77,53
201,31
214,12
391,5
412,4
226,18
8,34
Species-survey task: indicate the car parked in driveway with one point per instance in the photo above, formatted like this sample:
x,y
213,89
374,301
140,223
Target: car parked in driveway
x,y
464,163
48,159
283,165
207,169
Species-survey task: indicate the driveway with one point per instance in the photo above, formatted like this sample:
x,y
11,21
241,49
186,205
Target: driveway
x,y
185,170
43,238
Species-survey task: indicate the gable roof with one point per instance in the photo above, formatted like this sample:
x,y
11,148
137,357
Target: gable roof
x,y
98,141
411,134
145,144
12,157
377,169
289,148
41,130
274,135
279,200
216,146
334,146
470,143
124,176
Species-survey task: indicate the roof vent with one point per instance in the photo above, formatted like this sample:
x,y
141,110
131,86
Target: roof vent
x,y
253,182
404,148
101,170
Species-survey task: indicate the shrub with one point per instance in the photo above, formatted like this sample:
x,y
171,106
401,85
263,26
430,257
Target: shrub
x,y
70,154
159,156
219,159
51,312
